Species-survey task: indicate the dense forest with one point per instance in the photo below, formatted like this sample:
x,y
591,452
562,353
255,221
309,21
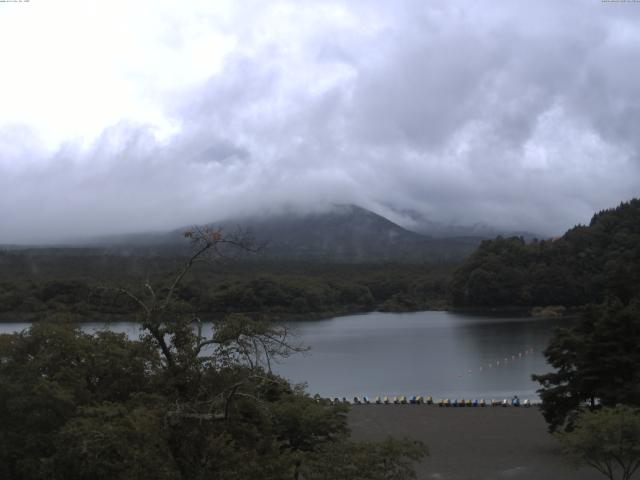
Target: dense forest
x,y
174,404
586,265
41,284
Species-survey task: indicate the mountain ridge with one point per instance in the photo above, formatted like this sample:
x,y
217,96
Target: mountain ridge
x,y
342,233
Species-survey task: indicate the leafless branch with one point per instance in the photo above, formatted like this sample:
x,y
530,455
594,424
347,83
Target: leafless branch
x,y
136,299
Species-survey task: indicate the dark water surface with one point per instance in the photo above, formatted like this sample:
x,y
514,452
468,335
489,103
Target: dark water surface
x,y
442,354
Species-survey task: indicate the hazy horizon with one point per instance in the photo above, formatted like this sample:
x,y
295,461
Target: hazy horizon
x,y
120,117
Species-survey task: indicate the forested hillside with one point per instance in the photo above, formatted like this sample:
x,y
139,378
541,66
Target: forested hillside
x,y
585,265
38,285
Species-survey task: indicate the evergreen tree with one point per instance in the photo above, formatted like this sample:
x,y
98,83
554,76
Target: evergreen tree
x,y
597,363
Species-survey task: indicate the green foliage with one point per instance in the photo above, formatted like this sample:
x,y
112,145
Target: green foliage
x,y
597,362
175,404
607,440
113,441
50,372
586,265
288,290
74,405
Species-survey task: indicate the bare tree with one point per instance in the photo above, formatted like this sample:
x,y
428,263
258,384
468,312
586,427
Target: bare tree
x,y
157,305
234,341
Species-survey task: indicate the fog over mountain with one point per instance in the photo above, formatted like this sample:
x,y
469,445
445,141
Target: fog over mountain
x,y
121,117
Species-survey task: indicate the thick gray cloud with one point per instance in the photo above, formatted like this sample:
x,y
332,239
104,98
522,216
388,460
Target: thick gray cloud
x,y
521,115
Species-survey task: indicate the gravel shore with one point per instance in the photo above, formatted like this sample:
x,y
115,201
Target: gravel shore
x,y
472,443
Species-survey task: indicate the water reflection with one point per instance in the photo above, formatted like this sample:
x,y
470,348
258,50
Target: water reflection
x,y
438,353
424,353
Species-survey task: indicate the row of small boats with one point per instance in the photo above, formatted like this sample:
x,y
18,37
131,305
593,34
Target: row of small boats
x,y
444,402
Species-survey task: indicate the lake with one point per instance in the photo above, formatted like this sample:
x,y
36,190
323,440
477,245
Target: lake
x,y
442,354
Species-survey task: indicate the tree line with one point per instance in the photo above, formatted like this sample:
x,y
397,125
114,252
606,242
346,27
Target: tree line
x,y
586,265
591,400
41,286
174,404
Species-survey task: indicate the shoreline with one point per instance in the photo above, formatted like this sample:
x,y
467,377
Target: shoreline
x,y
471,443
521,312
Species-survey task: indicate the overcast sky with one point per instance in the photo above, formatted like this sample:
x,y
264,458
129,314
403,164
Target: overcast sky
x,y
120,116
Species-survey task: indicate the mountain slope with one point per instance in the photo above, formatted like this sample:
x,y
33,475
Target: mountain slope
x,y
585,265
424,226
347,233
344,233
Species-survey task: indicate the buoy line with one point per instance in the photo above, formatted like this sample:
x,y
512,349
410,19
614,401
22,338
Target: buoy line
x,y
499,363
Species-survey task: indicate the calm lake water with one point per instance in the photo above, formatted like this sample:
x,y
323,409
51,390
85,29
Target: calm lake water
x,y
442,354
